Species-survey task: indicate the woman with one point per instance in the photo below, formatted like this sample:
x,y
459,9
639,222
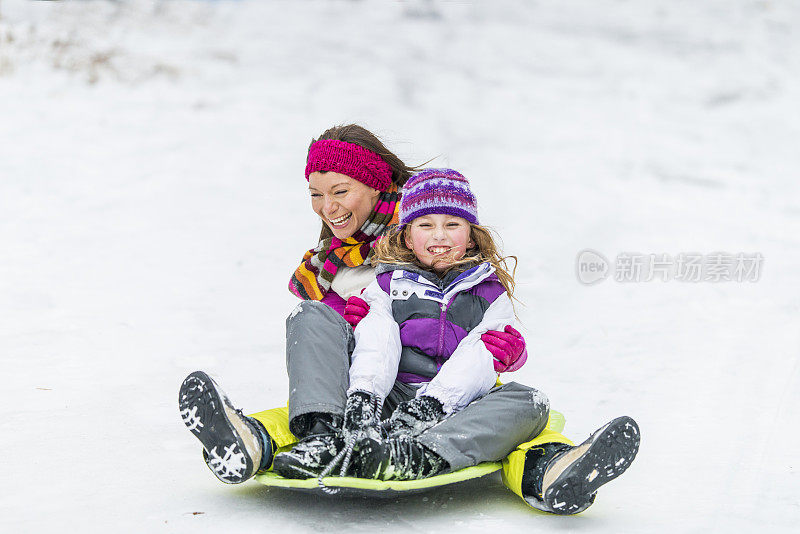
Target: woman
x,y
353,182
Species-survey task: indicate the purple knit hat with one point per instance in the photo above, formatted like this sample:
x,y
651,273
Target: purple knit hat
x,y
437,191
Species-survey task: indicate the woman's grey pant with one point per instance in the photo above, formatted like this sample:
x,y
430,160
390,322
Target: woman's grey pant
x,y
319,343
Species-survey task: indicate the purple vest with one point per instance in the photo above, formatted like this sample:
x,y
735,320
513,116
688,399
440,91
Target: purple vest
x,y
435,314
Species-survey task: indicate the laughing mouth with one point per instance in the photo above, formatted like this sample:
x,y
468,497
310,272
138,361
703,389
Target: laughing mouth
x,y
340,221
439,250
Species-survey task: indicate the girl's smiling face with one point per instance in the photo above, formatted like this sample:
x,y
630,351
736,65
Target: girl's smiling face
x,y
344,204
439,240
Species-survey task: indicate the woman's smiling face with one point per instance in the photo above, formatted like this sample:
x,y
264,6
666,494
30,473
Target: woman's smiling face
x,y
344,204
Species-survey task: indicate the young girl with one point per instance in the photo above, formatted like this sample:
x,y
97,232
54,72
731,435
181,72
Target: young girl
x,y
440,285
419,361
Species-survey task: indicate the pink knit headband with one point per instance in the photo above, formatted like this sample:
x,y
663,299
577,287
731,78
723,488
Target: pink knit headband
x,y
350,159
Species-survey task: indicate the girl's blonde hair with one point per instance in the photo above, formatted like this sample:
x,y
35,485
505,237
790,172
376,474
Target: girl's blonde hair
x,y
392,249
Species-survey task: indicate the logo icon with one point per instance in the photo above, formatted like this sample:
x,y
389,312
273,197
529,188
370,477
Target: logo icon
x,y
591,267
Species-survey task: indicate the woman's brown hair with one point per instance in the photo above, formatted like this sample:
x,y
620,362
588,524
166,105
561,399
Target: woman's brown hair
x,y
358,135
392,249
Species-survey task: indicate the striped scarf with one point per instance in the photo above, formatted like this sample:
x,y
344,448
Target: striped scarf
x,y
314,276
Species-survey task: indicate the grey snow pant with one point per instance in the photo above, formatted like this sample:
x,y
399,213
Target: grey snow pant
x,y
319,343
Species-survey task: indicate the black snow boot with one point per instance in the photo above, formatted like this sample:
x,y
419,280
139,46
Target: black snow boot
x,y
312,454
412,417
235,446
399,457
564,480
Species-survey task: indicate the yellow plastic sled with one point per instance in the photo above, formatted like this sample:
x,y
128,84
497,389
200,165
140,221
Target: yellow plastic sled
x,y
390,488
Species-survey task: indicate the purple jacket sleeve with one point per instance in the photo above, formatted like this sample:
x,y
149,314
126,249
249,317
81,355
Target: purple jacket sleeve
x,y
336,302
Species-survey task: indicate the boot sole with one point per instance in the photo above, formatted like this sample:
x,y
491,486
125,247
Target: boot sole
x,y
203,410
601,458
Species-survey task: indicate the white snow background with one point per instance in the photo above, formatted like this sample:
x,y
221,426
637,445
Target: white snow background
x,y
152,208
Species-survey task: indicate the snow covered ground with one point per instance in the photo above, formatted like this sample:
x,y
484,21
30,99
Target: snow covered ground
x,y
152,207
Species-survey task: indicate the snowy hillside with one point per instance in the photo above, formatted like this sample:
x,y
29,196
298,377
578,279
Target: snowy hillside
x,y
152,208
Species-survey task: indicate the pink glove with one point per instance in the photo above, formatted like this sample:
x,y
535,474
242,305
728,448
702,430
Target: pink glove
x,y
508,349
355,310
